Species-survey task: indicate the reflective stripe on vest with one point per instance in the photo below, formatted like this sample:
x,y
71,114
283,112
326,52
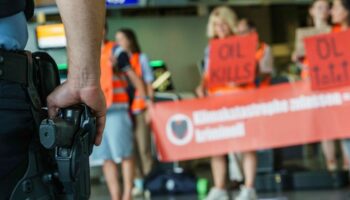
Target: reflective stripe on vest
x,y
120,84
138,104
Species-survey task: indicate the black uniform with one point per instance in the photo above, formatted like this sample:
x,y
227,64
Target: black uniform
x,y
16,120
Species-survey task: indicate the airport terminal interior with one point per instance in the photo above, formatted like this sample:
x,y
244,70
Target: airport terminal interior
x,y
175,40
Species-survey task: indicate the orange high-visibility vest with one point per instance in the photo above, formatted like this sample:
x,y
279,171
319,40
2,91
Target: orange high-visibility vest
x,y
120,95
234,88
336,28
107,71
261,51
139,103
113,85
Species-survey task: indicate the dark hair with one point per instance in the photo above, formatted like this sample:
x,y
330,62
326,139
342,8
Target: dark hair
x,y
106,26
346,4
250,24
131,37
105,31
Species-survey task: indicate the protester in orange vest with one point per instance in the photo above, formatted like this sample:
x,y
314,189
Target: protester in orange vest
x,y
263,55
117,141
139,62
341,17
222,24
264,72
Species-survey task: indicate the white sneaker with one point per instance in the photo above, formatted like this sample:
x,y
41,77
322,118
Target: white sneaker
x,y
137,192
147,195
247,194
217,194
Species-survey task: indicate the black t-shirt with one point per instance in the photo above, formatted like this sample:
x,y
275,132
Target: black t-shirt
x,y
11,7
123,62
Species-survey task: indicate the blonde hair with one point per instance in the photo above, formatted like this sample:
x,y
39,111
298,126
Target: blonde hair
x,y
225,14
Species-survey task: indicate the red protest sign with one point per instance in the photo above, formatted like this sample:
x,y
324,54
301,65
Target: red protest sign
x,y
329,60
273,117
232,60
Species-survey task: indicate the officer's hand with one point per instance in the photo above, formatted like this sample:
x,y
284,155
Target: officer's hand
x,y
69,94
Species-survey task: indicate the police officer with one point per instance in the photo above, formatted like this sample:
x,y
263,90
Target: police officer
x,y
83,22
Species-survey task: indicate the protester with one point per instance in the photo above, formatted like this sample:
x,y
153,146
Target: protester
x,y
264,55
117,142
223,24
127,39
319,20
264,73
341,18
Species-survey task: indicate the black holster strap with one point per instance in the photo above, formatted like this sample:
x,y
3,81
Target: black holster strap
x,y
14,67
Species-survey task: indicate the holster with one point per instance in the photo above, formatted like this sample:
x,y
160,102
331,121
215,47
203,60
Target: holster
x,y
41,78
58,161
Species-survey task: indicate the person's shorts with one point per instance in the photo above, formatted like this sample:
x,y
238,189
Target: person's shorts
x,y
117,141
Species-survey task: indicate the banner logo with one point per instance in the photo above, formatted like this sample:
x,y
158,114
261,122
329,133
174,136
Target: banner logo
x,y
179,129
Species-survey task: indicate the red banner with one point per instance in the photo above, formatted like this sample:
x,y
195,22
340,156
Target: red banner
x,y
329,59
278,116
232,60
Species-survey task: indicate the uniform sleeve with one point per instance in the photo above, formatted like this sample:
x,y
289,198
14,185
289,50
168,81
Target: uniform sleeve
x,y
147,73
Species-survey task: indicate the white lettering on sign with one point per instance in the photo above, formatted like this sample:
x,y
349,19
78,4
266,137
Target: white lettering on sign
x,y
270,108
315,101
220,133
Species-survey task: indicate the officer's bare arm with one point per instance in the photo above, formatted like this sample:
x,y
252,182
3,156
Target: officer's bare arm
x,y
83,20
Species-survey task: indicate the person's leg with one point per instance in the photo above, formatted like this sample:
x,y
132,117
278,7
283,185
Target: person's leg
x,y
128,177
328,148
345,146
143,141
109,150
110,172
219,170
122,148
249,168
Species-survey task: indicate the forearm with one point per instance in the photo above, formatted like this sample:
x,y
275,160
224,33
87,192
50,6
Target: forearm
x,y
137,83
150,91
83,22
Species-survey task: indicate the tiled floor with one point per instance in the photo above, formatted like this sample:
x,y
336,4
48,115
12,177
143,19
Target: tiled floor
x,y
99,192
